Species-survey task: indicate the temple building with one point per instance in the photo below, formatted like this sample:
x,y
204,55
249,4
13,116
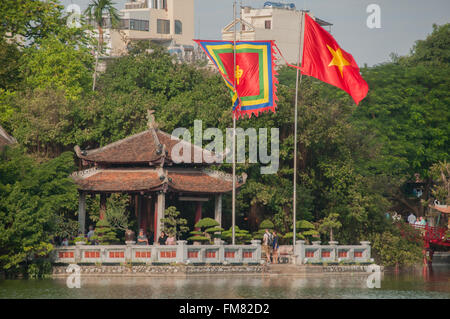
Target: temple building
x,y
142,166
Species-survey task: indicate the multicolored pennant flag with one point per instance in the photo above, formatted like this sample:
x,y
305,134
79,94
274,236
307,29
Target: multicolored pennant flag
x,y
324,59
254,90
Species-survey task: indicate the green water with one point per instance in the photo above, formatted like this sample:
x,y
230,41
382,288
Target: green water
x,y
403,285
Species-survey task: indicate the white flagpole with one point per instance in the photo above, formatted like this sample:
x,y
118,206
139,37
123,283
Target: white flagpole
x,y
233,209
300,54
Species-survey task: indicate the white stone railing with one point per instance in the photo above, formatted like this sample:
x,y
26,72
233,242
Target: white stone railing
x,y
332,252
154,254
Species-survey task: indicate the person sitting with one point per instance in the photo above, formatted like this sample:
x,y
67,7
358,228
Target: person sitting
x,y
411,219
171,239
162,238
417,222
423,221
90,234
142,238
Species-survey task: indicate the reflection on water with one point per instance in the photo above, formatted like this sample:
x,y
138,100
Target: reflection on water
x,y
435,284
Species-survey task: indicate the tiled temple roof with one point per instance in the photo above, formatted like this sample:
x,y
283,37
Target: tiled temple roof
x,y
149,179
143,148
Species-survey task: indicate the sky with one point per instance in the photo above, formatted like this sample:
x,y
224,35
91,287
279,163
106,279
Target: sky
x,y
402,22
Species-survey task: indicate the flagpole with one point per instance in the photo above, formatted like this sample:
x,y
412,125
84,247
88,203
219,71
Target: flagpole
x,y
297,84
233,209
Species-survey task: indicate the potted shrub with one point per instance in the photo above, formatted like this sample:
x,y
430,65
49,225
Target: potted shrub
x,y
242,236
329,223
209,229
173,223
104,233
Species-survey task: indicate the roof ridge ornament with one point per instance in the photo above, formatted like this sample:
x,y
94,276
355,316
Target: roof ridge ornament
x,y
151,122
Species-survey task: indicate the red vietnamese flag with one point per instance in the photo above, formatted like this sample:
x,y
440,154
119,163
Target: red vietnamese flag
x,y
325,60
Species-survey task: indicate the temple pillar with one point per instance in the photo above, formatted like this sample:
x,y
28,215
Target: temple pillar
x,y
159,213
198,213
143,210
102,206
82,212
218,209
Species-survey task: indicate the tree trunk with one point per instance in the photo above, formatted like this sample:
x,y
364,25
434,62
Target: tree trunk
x,y
99,46
331,234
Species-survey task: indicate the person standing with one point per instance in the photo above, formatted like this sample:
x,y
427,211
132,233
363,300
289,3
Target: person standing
x,y
275,247
267,244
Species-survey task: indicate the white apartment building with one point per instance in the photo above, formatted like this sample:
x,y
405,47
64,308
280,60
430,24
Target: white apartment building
x,y
275,21
167,22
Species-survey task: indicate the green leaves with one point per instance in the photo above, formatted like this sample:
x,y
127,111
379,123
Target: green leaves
x,y
32,197
173,224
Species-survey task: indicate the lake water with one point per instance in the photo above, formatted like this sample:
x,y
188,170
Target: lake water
x,y
403,285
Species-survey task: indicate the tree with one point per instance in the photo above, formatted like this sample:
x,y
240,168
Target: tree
x,y
306,230
29,20
58,65
441,191
173,224
242,236
116,213
42,122
209,228
32,196
329,223
95,12
392,249
105,233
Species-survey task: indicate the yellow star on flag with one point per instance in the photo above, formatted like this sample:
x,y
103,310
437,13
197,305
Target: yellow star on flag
x,y
338,59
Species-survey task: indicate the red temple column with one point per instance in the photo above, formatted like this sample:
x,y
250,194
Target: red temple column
x,y
144,213
198,213
155,220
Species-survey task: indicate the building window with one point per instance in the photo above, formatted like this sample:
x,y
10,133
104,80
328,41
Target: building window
x,y
163,26
134,24
124,24
178,27
268,24
155,4
164,4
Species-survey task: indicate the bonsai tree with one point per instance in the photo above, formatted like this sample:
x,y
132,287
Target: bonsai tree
x,y
305,230
242,236
173,224
265,224
104,233
329,223
208,227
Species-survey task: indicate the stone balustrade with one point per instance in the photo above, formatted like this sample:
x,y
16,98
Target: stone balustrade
x,y
154,254
317,253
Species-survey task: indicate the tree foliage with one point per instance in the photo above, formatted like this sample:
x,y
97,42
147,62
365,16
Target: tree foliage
x,y
173,224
